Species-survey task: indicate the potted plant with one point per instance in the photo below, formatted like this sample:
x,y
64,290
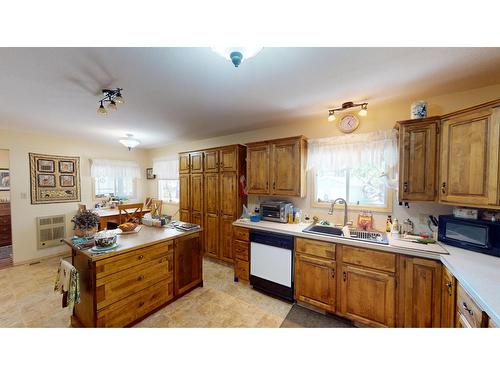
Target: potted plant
x,y
85,223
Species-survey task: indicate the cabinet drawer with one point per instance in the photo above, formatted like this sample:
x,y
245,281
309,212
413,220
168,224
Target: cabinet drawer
x,y
316,248
469,309
134,307
240,250
4,228
119,263
369,258
4,220
462,322
125,283
241,269
242,234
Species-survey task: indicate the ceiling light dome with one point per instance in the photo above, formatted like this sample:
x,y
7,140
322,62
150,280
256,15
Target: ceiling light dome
x,y
130,142
237,54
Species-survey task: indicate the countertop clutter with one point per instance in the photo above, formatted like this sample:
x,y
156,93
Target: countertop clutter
x,y
477,273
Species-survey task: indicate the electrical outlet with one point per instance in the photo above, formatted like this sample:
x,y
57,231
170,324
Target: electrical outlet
x,y
422,218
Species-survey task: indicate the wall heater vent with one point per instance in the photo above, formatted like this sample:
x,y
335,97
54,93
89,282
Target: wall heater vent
x,y
51,230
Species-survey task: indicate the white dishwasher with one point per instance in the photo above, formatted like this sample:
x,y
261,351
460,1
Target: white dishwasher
x,y
271,263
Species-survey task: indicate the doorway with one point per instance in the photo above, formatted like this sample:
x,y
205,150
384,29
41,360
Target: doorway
x,y
5,212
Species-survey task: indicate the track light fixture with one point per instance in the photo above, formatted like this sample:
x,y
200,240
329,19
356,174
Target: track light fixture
x,y
348,105
112,97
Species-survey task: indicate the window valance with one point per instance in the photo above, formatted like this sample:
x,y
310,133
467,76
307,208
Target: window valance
x,y
166,169
114,168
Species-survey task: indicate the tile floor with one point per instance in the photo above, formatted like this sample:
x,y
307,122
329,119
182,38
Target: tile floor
x,y
27,299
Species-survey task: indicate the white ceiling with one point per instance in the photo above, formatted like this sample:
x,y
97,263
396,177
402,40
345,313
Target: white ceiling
x,y
178,94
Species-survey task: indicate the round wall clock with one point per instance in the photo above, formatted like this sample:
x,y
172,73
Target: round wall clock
x,y
348,123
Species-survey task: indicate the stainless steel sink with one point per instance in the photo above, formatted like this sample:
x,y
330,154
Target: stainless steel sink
x,y
359,235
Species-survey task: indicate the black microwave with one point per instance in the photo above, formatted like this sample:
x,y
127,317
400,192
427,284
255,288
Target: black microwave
x,y
477,235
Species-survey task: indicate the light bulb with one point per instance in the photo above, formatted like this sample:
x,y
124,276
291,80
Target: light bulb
x,y
101,110
363,111
331,117
112,105
119,99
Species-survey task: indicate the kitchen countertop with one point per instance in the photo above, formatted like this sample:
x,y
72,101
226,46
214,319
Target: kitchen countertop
x,y
478,274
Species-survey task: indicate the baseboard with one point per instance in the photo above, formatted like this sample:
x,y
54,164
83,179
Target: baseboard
x,y
65,252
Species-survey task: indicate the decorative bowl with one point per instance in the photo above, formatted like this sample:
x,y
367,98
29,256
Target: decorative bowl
x,y
105,239
127,227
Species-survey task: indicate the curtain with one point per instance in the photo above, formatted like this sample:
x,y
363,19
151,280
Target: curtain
x,y
114,168
166,169
378,149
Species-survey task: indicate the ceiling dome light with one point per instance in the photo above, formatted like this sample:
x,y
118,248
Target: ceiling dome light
x,y
364,110
130,142
331,116
112,105
101,110
237,54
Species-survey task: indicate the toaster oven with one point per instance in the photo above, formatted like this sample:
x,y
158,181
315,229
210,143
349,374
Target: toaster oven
x,y
276,211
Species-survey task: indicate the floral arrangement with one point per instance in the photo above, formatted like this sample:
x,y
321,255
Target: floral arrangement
x,y
85,220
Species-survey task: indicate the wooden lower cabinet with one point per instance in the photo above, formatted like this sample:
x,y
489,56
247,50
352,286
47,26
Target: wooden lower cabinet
x,y
241,251
211,235
188,263
448,299
419,292
315,281
367,296
469,314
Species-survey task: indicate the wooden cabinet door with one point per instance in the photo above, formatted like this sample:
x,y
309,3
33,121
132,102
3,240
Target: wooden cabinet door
x,y
229,159
367,296
185,215
197,218
469,158
315,281
258,169
184,162
211,228
211,161
196,162
187,263
184,193
285,167
420,292
196,192
448,299
228,193
418,157
226,236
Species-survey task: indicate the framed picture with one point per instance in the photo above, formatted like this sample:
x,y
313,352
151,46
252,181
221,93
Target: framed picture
x,y
66,166
66,180
45,166
4,179
46,180
149,174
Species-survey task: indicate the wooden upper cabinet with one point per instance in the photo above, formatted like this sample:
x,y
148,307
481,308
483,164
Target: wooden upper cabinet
x,y
277,167
419,292
448,299
184,162
196,162
258,168
469,157
196,192
211,161
367,296
418,147
229,159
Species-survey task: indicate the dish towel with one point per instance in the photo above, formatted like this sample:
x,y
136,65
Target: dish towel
x,y
68,283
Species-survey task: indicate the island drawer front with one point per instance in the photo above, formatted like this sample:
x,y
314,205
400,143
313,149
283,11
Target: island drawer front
x,y
241,269
241,250
242,234
369,258
316,248
134,307
122,284
134,258
468,308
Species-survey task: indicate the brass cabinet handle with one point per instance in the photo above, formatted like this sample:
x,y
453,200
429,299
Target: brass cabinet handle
x,y
443,188
274,185
345,276
466,308
140,257
140,278
405,187
333,272
141,303
450,287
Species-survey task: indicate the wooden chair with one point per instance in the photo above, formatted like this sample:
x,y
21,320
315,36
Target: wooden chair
x,y
155,206
148,202
125,216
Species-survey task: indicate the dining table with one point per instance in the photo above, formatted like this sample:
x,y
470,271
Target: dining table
x,y
113,214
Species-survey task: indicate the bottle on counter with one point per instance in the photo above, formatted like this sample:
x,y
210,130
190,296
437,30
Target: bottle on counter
x,y
395,231
298,216
388,224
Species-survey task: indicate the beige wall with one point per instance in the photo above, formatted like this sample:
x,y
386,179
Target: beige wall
x,y
4,164
23,212
380,116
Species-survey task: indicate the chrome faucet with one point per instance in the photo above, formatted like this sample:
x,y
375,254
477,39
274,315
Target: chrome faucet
x,y
341,201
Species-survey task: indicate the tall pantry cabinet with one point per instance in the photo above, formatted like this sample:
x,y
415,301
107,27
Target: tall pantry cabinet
x,y
210,195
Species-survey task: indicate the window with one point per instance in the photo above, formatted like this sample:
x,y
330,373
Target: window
x,y
168,191
117,186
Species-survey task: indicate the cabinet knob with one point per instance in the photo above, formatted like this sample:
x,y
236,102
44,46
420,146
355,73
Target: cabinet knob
x,y
140,257
345,276
274,185
140,278
333,272
466,308
405,187
141,304
443,188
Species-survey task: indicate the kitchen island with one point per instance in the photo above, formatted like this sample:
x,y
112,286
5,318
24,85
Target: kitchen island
x,y
147,271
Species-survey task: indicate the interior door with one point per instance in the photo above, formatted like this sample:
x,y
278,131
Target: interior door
x,y
211,228
418,147
469,158
285,167
258,169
